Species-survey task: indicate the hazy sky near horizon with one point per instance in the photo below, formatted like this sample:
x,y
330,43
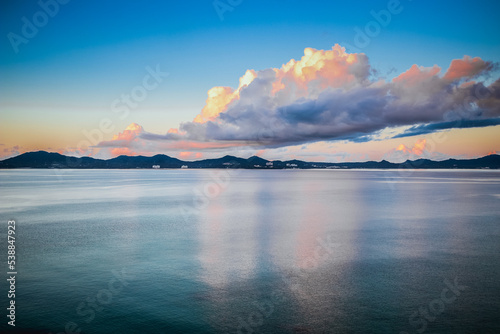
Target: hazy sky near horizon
x,y
313,80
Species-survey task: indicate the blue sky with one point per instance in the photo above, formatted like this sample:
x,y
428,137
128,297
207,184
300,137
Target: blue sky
x,y
90,52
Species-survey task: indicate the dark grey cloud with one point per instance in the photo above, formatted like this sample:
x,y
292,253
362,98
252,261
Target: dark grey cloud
x,y
458,124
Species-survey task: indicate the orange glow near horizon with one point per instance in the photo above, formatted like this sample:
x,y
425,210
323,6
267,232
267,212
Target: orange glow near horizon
x,y
417,149
190,155
122,151
458,143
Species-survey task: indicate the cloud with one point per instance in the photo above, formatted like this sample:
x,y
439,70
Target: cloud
x,y
417,149
320,69
458,124
417,76
122,151
134,141
127,142
330,95
420,150
130,132
9,152
220,97
466,68
125,138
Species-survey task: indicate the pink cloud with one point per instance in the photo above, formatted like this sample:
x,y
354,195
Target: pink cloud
x,y
417,149
466,68
327,68
417,75
130,133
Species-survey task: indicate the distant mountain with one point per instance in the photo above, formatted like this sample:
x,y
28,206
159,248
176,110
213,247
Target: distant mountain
x,y
124,161
42,159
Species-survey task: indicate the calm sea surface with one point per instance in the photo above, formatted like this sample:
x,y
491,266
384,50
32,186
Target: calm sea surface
x,y
285,251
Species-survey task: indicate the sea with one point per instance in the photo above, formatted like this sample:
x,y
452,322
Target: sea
x,y
251,251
